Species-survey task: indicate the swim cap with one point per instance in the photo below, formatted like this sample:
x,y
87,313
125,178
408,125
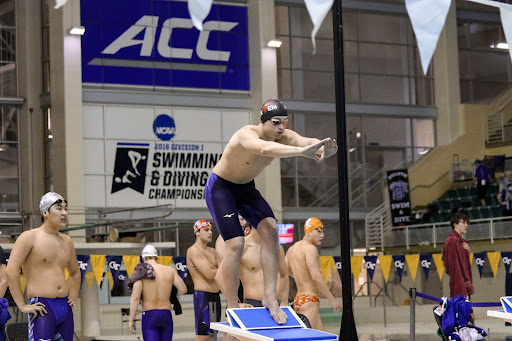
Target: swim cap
x,y
149,251
312,224
48,200
271,108
201,223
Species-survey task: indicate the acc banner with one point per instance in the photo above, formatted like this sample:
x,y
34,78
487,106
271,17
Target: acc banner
x,y
412,261
181,266
438,260
480,261
399,261
83,263
507,257
337,261
370,262
399,198
426,262
385,265
114,264
494,259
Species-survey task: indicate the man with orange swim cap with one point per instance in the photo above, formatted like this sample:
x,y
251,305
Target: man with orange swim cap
x,y
304,263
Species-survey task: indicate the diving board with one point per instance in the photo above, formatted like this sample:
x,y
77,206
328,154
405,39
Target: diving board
x,y
257,324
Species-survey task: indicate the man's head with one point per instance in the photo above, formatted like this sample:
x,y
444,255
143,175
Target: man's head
x,y
314,230
149,252
54,209
274,117
203,230
459,223
245,226
478,162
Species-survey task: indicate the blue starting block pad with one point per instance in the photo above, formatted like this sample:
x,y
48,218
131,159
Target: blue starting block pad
x,y
506,313
257,324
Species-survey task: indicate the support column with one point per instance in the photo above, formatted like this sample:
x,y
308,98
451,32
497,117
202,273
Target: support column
x,y
90,310
263,70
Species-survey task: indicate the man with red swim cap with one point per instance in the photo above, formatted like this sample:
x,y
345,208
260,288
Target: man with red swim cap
x,y
230,190
304,262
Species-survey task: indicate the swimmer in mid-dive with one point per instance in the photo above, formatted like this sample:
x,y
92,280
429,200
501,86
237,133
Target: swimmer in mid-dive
x,y
304,262
154,282
44,253
231,189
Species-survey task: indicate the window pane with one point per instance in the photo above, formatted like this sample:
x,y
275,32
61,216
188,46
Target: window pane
x,y
9,195
350,57
384,89
491,67
301,25
8,85
352,88
482,36
423,91
8,160
383,59
423,132
7,14
283,53
487,92
288,166
387,131
288,192
8,124
349,25
314,191
284,83
382,28
282,20
303,57
312,85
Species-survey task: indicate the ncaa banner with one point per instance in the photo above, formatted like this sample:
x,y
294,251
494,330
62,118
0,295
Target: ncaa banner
x,y
370,262
506,257
399,197
426,262
83,263
114,264
399,261
155,43
181,266
480,261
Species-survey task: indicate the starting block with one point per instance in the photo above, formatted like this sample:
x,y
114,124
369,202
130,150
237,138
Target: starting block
x,y
506,313
257,324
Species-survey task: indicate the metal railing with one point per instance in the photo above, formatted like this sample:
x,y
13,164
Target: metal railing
x,y
378,224
499,121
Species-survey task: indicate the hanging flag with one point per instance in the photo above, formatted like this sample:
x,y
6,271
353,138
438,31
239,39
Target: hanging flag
x,y
130,262
506,20
385,265
426,262
438,261
317,10
399,261
427,19
507,257
23,283
326,266
7,255
114,264
412,262
98,265
480,261
199,10
399,196
337,261
66,274
494,259
164,260
83,263
370,262
59,3
471,256
121,277
355,264
181,266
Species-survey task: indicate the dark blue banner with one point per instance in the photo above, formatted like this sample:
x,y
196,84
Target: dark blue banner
x,y
507,258
370,262
114,264
337,261
181,266
399,262
83,263
154,43
480,261
426,263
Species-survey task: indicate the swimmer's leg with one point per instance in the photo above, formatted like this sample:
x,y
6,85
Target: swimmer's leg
x,y
312,311
42,327
67,327
234,248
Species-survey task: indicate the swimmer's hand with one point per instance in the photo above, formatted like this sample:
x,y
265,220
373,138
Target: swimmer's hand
x,y
71,304
336,306
245,305
132,326
330,148
310,151
35,309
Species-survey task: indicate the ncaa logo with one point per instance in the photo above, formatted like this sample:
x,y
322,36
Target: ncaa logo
x,y
164,127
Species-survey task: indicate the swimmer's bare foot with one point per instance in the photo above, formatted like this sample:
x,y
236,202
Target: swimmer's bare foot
x,y
275,311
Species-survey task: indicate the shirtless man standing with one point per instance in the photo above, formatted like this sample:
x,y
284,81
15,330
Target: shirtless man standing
x,y
304,262
154,281
230,189
203,262
44,253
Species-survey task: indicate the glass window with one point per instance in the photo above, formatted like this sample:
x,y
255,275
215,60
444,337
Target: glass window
x,y
382,28
9,160
387,131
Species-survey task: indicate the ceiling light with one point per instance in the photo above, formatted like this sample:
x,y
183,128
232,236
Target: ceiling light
x,y
351,150
77,30
423,152
358,134
50,136
276,43
502,46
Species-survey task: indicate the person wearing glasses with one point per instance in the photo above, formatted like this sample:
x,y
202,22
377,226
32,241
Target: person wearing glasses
x,y
230,190
304,265
44,253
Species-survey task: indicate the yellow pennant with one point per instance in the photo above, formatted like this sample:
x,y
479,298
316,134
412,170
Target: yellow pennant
x,y
494,259
110,279
130,262
89,277
412,262
66,274
471,258
438,261
326,265
98,265
385,265
164,260
22,283
356,262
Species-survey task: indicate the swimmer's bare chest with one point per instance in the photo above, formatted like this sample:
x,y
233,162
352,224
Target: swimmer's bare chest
x,y
241,166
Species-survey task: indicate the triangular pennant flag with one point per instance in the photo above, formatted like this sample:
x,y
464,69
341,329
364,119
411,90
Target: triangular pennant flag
x,y
506,20
370,262
130,262
494,259
399,261
355,265
89,278
426,262
23,283
164,260
412,262
471,256
83,263
480,261
199,10
98,265
438,260
66,274
114,264
337,261
121,278
507,257
59,3
385,265
181,266
326,264
317,10
427,19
